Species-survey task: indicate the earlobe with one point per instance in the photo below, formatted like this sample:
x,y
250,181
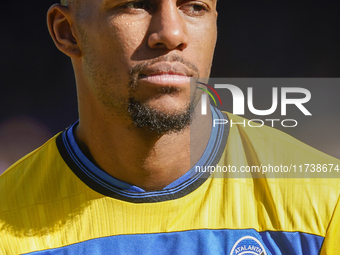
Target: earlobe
x,y
60,28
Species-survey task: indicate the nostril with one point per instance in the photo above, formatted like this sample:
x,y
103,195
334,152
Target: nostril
x,y
182,46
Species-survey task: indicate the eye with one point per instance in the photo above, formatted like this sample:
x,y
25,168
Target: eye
x,y
136,5
195,9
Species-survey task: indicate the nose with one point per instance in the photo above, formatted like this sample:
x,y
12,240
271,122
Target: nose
x,y
167,29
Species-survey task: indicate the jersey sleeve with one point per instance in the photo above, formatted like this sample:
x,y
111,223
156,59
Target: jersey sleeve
x,y
331,245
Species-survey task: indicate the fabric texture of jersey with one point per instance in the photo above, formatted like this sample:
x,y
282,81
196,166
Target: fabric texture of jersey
x,y
55,201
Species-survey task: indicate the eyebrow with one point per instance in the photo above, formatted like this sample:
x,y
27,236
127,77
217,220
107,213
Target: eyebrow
x,y
109,1
118,1
106,2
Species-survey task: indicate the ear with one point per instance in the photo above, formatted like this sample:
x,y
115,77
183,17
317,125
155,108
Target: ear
x,y
59,22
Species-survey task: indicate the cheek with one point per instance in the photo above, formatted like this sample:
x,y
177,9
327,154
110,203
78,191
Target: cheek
x,y
112,55
203,45
208,38
127,35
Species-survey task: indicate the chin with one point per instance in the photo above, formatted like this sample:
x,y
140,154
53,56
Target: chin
x,y
160,118
168,104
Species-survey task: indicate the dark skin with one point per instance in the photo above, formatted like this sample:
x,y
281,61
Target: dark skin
x,y
172,41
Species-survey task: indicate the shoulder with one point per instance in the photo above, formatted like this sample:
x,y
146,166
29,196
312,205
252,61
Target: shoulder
x,y
36,159
280,178
39,193
270,145
33,177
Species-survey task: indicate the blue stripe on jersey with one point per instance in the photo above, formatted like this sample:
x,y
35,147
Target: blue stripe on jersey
x,y
128,190
193,242
292,242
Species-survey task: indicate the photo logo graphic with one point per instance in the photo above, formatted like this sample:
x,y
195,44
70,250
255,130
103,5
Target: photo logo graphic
x,y
240,100
204,98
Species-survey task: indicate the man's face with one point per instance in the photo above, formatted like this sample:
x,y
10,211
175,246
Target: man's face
x,y
138,56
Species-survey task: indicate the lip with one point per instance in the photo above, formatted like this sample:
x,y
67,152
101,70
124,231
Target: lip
x,y
166,74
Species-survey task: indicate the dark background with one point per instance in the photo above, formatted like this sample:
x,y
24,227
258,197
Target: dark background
x,y
256,39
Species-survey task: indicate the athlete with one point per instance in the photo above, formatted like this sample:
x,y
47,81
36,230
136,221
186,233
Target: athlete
x,y
123,179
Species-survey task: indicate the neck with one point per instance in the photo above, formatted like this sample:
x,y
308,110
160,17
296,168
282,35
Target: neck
x,y
141,158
